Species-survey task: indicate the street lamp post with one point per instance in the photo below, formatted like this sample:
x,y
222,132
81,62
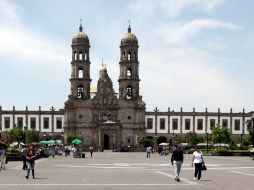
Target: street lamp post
x,y
62,137
207,136
155,141
155,137
26,141
52,109
241,143
44,137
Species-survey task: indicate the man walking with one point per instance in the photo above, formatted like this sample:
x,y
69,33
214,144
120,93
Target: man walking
x,y
177,160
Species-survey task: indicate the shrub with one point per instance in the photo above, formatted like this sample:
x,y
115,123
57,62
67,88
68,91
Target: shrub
x,y
13,151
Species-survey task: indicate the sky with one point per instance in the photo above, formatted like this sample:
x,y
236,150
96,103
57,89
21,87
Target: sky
x,y
192,53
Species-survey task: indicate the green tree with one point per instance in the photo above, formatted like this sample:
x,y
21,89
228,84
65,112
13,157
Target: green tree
x,y
32,136
17,134
146,141
179,138
251,136
220,134
73,137
6,137
193,138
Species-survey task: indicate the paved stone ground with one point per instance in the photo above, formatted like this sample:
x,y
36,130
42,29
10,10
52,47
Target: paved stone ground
x,y
129,171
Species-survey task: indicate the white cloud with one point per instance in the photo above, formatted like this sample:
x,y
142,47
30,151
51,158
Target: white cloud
x,y
9,11
29,45
173,8
19,42
35,60
179,32
187,77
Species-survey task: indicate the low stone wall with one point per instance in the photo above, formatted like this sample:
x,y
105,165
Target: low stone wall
x,y
13,157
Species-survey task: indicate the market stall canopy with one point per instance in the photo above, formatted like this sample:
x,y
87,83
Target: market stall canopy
x,y
76,141
49,142
163,144
16,144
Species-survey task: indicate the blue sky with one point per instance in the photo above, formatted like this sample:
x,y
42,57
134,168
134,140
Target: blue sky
x,y
193,53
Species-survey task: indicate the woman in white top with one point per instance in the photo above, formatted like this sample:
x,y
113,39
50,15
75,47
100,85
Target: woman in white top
x,y
197,160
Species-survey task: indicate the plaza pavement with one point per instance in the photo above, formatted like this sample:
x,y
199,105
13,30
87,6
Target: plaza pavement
x,y
128,171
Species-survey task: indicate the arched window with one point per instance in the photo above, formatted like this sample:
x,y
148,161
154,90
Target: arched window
x,y
124,55
128,92
85,56
80,73
75,55
80,92
129,56
129,73
80,55
134,56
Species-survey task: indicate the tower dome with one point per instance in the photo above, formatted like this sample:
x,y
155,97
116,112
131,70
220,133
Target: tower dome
x,y
129,37
80,35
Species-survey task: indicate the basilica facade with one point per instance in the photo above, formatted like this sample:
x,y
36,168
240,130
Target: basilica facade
x,y
104,118
107,119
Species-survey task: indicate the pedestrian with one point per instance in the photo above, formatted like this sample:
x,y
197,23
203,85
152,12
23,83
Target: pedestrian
x,y
148,151
197,161
30,156
160,150
66,150
177,161
3,148
23,157
53,151
91,151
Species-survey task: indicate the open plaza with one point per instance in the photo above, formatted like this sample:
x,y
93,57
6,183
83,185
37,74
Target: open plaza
x,y
128,171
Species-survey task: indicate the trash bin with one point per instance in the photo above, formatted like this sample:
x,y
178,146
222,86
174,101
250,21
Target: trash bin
x,y
83,155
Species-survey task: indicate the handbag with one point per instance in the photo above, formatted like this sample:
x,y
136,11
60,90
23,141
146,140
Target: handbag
x,y
203,164
204,167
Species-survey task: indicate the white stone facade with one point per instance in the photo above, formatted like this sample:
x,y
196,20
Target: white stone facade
x,y
47,122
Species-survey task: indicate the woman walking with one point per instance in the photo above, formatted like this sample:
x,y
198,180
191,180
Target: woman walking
x,y
91,150
30,156
197,160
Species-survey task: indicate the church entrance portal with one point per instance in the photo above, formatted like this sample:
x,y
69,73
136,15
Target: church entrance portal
x,y
106,142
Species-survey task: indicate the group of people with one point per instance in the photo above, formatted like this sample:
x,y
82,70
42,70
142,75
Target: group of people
x,y
197,162
77,151
28,157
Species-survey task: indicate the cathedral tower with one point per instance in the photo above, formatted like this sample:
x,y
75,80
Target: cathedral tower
x,y
129,67
80,75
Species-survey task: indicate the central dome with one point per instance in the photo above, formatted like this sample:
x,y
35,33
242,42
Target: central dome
x,y
102,70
